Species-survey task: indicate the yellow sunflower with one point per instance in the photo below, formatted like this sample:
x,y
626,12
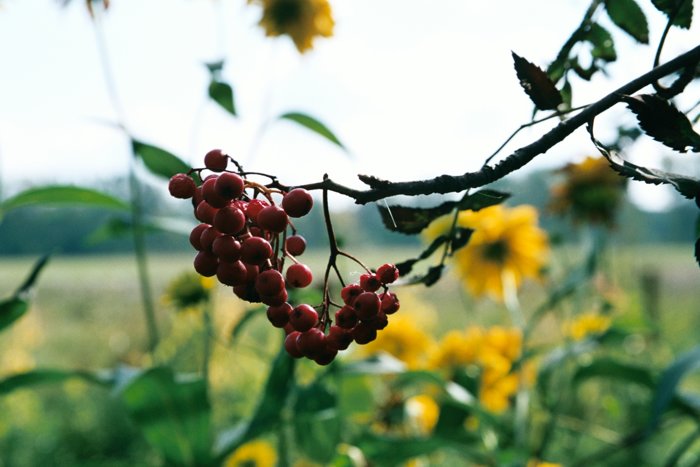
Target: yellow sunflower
x,y
590,191
586,325
302,20
403,339
253,454
188,290
506,247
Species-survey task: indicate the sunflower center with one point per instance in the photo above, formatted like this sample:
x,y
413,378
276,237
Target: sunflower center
x,y
286,12
496,252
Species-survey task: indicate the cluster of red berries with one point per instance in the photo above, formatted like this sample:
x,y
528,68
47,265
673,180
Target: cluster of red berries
x,y
242,240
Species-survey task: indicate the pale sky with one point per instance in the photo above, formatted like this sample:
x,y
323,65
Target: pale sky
x,y
414,88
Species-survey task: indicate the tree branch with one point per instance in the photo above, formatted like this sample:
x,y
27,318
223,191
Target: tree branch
x,y
380,189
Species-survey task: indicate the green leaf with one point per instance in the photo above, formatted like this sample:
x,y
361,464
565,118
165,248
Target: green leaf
x,y
664,122
44,376
394,450
380,364
629,17
536,84
668,384
267,415
11,310
612,369
245,319
313,125
316,422
602,42
687,186
222,94
410,220
16,306
173,413
681,10
62,194
159,161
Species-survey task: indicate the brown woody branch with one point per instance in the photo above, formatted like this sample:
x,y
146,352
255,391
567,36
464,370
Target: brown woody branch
x,y
380,189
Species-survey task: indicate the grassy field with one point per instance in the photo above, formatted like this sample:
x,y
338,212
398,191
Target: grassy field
x,y
86,314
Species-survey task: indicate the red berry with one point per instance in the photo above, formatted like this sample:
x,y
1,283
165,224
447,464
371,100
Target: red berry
x,y
279,315
197,197
370,282
299,275
366,305
231,273
253,207
275,300
311,342
272,218
290,344
390,303
206,263
229,185
229,219
303,317
295,245
215,160
207,239
326,356
226,248
269,282
387,273
298,202
378,321
338,338
205,212
210,194
350,292
255,250
196,234
363,333
246,292
182,186
346,317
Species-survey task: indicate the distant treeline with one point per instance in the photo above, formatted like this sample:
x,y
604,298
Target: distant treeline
x,y
67,230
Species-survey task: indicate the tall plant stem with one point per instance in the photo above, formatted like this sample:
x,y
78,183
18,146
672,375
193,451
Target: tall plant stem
x,y
135,198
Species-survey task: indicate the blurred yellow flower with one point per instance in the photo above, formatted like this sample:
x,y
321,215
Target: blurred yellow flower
x,y
506,247
403,339
253,454
423,411
591,191
538,463
302,20
492,351
457,348
188,290
586,325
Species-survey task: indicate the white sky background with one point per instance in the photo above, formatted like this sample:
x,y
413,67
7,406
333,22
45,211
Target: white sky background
x,y
414,88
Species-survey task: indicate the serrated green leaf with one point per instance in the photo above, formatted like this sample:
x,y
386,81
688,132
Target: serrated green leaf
x,y
45,376
612,369
312,124
173,413
687,186
159,161
681,10
629,17
536,84
668,384
482,199
11,310
410,220
62,194
222,94
267,415
664,122
602,42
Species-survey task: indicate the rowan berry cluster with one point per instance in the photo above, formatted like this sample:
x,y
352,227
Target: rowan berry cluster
x,y
244,239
